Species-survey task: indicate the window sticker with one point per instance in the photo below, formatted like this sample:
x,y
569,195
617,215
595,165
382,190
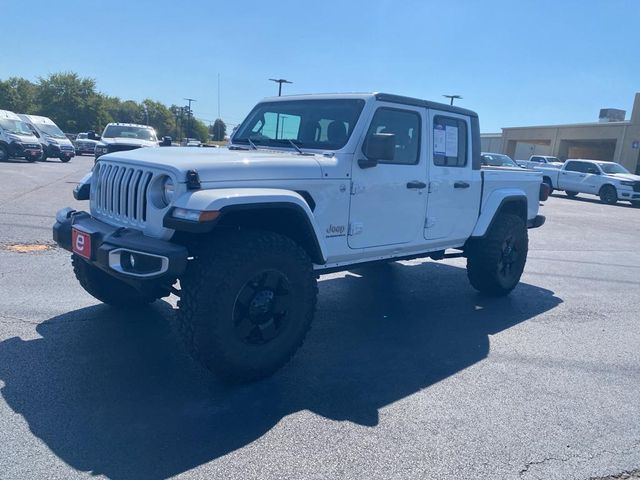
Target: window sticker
x,y
451,141
439,140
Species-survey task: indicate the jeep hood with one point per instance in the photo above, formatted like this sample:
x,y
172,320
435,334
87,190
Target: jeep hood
x,y
222,164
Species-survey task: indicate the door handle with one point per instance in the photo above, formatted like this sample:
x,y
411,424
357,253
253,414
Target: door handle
x,y
416,184
461,185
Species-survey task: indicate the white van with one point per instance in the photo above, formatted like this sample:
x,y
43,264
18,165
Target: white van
x,y
16,139
54,142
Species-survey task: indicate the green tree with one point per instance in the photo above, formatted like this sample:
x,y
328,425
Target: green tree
x,y
69,100
19,95
218,130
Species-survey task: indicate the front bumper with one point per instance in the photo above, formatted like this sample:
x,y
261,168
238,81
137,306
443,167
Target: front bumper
x,y
112,248
17,149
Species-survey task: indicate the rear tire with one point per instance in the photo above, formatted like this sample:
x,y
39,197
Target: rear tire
x,y
106,288
608,195
571,194
495,263
547,180
64,159
248,299
4,153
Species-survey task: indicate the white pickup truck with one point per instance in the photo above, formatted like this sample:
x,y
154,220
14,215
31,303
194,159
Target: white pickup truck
x,y
610,181
540,161
309,184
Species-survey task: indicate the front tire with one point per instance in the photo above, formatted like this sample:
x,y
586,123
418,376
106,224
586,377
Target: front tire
x,y
635,203
495,263
547,180
106,288
608,195
64,159
571,194
247,302
4,153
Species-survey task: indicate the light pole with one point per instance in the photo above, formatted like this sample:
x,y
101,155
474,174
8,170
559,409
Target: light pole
x,y
452,97
189,115
279,81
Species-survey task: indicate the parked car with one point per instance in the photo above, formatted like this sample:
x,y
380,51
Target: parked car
x,y
610,181
16,138
84,144
247,229
497,160
190,142
120,137
540,160
54,142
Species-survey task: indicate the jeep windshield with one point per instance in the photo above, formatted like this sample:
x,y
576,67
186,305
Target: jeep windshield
x,y
313,124
126,131
15,126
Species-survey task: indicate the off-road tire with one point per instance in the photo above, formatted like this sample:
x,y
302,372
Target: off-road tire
x,y
608,195
210,306
487,256
106,288
571,194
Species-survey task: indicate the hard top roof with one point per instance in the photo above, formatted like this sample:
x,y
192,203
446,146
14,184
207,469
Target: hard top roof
x,y
382,97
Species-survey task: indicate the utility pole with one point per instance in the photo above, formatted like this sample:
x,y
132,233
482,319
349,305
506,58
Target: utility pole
x,y
218,95
280,81
189,115
452,97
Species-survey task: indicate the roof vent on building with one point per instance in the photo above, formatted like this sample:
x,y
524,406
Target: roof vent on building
x,y
611,115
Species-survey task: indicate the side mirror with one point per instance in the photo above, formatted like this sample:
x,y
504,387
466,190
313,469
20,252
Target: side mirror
x,y
166,142
91,135
378,147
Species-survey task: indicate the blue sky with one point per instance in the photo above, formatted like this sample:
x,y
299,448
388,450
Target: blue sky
x,y
514,62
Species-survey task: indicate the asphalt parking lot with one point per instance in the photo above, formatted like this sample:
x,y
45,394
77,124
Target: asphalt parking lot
x,y
407,372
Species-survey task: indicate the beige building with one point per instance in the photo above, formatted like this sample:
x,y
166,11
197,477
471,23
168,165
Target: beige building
x,y
612,139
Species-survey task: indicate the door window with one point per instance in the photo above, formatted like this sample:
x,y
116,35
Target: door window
x,y
449,142
405,125
576,167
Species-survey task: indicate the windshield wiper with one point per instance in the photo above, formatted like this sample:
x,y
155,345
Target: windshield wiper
x,y
295,146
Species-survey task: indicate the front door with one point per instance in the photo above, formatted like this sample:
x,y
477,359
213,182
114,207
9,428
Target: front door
x,y
454,190
388,201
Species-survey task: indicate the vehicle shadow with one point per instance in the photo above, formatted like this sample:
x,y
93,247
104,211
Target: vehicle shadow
x,y
593,199
114,393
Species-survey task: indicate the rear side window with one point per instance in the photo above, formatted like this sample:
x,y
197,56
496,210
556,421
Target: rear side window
x,y
576,167
449,142
405,125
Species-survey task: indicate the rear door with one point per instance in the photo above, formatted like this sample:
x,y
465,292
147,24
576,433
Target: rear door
x,y
454,186
388,201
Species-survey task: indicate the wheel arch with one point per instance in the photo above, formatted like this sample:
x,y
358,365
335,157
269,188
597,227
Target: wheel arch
x,y
280,211
499,203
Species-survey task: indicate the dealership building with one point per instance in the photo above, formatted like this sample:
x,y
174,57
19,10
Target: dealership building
x,y
612,138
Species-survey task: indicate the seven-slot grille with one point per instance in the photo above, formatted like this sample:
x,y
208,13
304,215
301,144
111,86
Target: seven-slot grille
x,y
121,192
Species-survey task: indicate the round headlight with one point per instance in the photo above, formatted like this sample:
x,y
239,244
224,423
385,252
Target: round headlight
x,y
168,190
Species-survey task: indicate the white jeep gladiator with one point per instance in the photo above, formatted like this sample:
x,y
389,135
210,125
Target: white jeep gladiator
x,y
609,180
308,185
